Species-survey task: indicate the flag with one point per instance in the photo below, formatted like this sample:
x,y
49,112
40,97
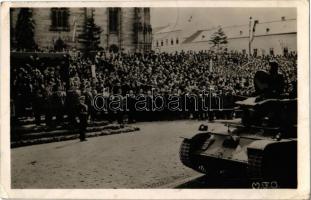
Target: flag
x,y
74,29
252,33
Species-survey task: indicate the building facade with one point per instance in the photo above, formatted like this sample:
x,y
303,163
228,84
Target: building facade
x,y
167,39
273,38
122,29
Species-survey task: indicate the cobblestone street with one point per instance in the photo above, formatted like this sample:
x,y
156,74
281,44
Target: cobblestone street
x,y
144,159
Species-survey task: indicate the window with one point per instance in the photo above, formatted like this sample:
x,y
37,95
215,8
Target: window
x,y
244,51
285,51
267,30
59,19
203,36
172,42
146,10
157,43
177,41
271,52
166,42
255,51
113,20
161,43
241,32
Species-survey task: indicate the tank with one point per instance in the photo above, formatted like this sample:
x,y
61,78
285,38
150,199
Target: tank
x,y
260,146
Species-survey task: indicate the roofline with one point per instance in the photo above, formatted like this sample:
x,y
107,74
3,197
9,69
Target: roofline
x,y
268,22
168,31
232,38
210,29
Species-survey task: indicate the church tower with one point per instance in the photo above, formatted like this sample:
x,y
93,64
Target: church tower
x,y
122,29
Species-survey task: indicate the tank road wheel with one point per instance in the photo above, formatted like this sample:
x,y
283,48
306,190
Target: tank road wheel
x,y
187,153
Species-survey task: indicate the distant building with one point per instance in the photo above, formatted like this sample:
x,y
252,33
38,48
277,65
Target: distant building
x,y
126,29
167,39
275,37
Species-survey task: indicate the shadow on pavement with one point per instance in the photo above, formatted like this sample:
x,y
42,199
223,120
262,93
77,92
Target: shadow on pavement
x,y
67,144
206,182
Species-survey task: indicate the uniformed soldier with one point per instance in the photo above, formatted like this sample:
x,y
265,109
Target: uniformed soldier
x,y
276,85
82,117
72,101
131,107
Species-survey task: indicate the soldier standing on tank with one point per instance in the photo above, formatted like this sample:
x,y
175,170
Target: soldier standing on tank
x,y
82,117
276,82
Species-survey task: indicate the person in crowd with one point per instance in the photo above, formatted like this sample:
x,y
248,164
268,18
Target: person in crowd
x,y
36,85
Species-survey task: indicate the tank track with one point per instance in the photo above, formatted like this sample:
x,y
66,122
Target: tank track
x,y
186,157
255,165
184,153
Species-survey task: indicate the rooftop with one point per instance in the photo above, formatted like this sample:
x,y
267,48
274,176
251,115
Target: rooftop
x,y
238,31
235,31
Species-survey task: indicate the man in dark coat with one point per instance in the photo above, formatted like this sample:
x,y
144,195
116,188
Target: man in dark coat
x,y
276,84
38,104
72,101
83,117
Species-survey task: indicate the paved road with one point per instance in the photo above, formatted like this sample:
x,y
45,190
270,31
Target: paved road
x,y
144,159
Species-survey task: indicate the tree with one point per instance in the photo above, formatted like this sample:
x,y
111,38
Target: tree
x,y
24,30
90,37
218,38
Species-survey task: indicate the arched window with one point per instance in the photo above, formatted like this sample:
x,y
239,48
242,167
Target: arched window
x,y
59,19
172,42
177,40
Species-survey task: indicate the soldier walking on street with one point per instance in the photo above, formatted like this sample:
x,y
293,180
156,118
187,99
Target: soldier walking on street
x,y
83,117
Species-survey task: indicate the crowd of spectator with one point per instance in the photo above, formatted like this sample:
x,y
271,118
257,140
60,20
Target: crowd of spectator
x,y
38,89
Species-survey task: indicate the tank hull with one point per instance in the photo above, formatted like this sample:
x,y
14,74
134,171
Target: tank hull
x,y
257,159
